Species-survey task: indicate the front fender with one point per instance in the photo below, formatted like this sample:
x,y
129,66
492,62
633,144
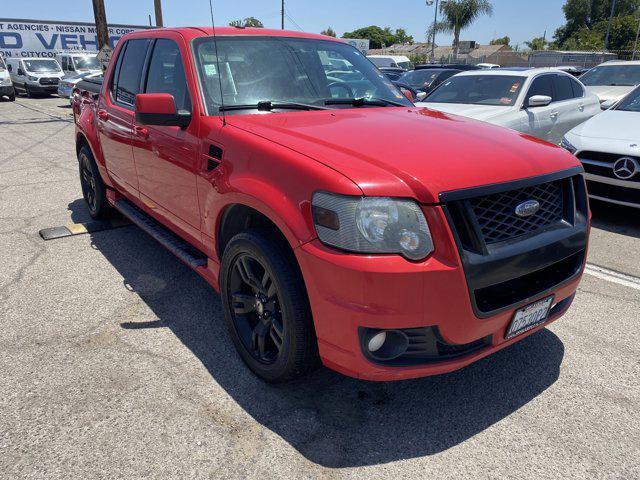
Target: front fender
x,y
87,131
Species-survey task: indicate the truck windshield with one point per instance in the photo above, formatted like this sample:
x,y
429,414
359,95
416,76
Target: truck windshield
x,y
612,75
40,66
288,70
86,63
497,90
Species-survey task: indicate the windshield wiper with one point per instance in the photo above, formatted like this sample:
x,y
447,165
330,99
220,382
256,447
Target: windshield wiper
x,y
268,106
361,102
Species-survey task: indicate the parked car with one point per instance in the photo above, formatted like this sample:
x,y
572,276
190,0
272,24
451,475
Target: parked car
x,y
67,84
35,75
612,80
6,85
358,231
78,63
572,70
541,102
427,80
392,73
455,66
488,66
608,146
394,61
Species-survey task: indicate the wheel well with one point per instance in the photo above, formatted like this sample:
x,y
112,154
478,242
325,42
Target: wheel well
x,y
81,141
238,218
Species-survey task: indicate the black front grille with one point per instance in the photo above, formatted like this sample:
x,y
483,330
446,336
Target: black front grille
x,y
614,192
49,81
496,215
507,259
604,170
602,157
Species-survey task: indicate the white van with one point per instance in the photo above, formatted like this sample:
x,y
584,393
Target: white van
x,y
35,75
6,85
77,63
391,61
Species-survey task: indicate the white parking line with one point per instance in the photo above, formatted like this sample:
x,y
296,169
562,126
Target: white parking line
x,y
613,276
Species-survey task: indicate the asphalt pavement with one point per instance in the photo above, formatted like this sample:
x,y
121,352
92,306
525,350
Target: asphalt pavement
x,y
115,363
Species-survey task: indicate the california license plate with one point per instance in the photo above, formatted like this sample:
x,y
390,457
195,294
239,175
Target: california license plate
x,y
529,317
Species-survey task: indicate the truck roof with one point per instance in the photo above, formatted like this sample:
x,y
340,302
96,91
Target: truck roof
x,y
194,32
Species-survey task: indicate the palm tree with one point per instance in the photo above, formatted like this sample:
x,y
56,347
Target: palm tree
x,y
459,14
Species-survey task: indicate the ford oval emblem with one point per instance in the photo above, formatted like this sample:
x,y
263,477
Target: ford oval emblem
x,y
528,208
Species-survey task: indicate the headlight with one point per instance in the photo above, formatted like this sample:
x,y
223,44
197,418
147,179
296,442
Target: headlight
x,y
6,81
566,144
33,79
372,225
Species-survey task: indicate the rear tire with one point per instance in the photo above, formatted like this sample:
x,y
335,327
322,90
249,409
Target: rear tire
x,y
268,317
93,188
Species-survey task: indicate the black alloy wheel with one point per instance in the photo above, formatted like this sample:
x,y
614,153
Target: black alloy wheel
x,y
93,188
88,183
266,308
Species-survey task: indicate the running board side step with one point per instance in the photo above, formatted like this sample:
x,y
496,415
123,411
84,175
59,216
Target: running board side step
x,y
176,245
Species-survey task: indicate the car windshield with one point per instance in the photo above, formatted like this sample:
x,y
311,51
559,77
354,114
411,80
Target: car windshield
x,y
612,75
86,63
498,90
420,78
39,66
287,70
631,103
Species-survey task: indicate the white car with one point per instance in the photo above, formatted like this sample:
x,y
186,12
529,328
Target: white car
x,y
542,102
393,61
612,80
608,146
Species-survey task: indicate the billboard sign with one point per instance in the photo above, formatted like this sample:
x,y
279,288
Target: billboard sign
x,y
361,44
43,38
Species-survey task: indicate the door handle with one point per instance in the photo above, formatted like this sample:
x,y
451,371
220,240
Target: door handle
x,y
103,115
581,107
554,115
141,131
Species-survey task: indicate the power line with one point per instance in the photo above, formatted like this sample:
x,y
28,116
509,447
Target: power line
x,y
292,20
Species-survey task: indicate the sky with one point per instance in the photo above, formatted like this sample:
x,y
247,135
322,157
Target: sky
x,y
519,19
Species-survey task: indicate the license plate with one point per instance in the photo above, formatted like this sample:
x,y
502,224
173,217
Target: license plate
x,y
529,317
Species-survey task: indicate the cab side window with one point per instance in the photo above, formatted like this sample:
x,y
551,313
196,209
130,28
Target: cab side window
x,y
563,88
166,73
130,71
541,85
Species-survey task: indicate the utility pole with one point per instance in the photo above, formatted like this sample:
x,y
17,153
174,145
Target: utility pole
x,y
101,23
606,39
158,6
635,45
282,12
435,22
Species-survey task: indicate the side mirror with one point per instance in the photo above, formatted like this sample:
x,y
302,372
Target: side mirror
x,y
606,105
160,109
20,72
539,101
421,96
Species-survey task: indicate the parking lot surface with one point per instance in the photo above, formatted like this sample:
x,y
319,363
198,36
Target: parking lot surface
x,y
116,363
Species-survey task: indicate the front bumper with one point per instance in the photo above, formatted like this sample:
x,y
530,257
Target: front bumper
x,y
348,292
38,88
65,91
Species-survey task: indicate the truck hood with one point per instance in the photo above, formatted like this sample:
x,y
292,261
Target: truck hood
x,y
480,112
408,152
605,92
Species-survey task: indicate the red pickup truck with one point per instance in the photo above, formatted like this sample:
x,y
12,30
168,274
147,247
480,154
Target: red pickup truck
x,y
340,224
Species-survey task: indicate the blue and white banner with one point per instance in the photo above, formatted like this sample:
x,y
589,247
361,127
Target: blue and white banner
x,y
41,38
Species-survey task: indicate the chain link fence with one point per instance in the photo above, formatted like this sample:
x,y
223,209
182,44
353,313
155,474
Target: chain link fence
x,y
545,58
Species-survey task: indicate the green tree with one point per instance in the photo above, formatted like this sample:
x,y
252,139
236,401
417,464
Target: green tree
x,y
379,37
458,15
247,22
538,43
501,41
581,14
329,32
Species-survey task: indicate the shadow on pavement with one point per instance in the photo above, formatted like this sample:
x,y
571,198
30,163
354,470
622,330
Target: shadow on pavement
x,y
615,218
332,420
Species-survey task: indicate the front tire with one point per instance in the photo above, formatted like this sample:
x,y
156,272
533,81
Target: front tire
x,y
12,97
93,189
266,307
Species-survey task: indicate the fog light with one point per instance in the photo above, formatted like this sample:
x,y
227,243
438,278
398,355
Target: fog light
x,y
377,341
386,345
